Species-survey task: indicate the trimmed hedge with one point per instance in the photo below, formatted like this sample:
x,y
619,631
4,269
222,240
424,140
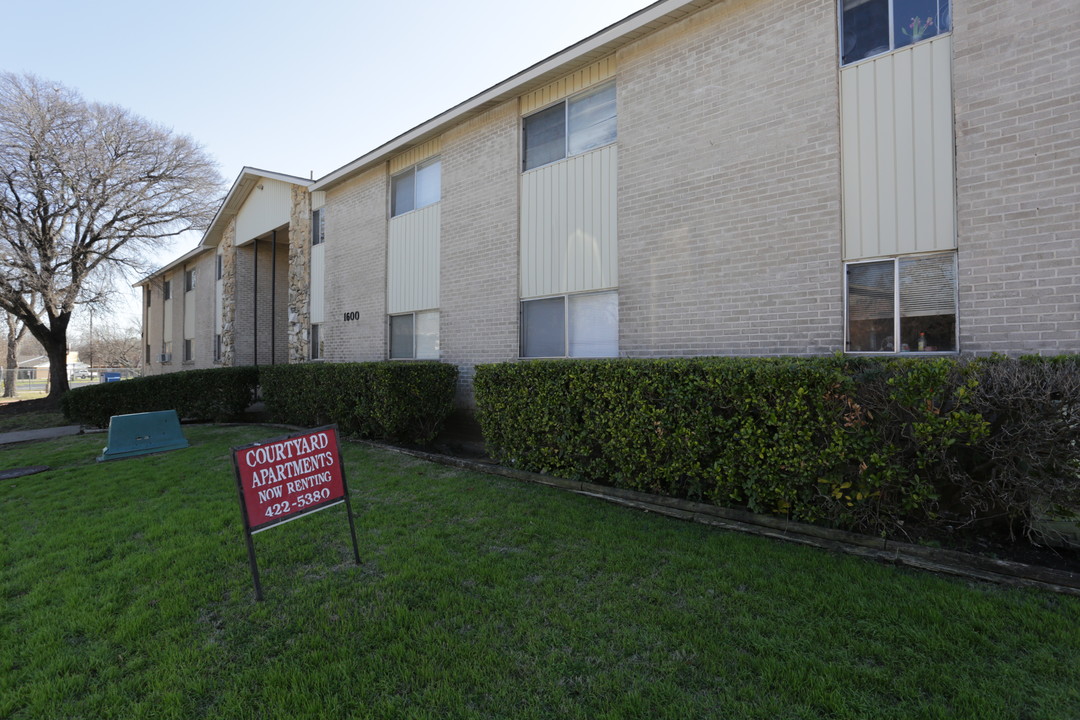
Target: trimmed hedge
x,y
404,402
213,394
858,443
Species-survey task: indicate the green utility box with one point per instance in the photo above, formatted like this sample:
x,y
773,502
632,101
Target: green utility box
x,y
142,434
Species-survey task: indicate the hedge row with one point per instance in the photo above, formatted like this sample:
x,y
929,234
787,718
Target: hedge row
x,y
858,443
406,402
213,394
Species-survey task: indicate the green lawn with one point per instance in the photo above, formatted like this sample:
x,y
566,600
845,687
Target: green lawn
x,y
126,594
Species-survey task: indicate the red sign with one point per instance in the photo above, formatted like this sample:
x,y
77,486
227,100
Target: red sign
x,y
285,478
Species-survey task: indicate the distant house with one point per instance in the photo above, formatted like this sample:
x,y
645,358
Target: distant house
x,y
769,177
37,368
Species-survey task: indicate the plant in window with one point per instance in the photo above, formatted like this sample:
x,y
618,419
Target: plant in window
x,y
917,29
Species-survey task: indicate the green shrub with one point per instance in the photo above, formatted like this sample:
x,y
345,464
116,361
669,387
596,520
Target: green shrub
x,y
862,443
213,394
405,402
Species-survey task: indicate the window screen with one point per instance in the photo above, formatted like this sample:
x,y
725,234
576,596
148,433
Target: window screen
x,y
543,331
545,136
594,325
871,302
591,120
401,337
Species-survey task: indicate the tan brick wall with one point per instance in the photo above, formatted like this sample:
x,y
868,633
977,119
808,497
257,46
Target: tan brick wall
x,y
479,244
1017,103
729,184
356,268
251,327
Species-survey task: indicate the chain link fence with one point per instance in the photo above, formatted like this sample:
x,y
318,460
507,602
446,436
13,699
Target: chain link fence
x,y
34,382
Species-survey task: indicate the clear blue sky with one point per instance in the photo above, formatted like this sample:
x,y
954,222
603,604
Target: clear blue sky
x,y
292,87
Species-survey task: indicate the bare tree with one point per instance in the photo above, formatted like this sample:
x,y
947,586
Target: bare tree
x,y
106,344
86,190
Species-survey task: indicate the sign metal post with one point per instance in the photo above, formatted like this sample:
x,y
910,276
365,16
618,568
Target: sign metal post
x,y
282,479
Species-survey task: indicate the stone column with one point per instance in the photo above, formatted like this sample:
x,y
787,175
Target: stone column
x,y
228,294
300,275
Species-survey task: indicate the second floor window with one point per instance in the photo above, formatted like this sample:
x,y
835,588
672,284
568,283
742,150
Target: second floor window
x,y
166,290
578,124
872,27
189,280
415,188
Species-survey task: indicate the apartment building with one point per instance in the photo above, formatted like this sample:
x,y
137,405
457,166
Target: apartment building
x,y
705,177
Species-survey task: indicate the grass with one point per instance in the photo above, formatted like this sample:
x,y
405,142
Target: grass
x,y
32,420
126,594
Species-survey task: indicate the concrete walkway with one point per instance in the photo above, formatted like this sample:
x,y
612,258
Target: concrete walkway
x,y
19,436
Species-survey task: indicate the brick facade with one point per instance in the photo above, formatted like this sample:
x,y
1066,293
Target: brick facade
x,y
356,222
1017,101
479,243
729,186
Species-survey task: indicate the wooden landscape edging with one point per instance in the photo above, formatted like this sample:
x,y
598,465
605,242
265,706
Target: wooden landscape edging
x,y
951,562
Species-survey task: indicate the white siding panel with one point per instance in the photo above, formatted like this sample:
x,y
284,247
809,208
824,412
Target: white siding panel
x,y
896,131
413,276
267,207
317,298
167,326
569,233
219,294
189,315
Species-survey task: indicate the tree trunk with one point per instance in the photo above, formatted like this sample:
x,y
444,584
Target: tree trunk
x,y
56,349
11,366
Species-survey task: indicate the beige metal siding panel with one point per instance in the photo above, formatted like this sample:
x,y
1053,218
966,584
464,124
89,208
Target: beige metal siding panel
x,y
852,188
594,74
317,299
167,327
413,258
944,166
189,315
416,155
318,199
904,94
267,207
868,167
897,140
569,234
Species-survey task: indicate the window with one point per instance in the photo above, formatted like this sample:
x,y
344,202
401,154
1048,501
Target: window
x,y
417,187
166,290
415,336
217,347
148,353
188,352
316,342
318,232
570,127
910,298
149,295
189,280
585,325
220,270
872,27
166,355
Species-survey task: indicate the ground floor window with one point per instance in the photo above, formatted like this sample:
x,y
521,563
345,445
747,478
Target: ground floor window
x,y
217,347
188,350
148,353
415,336
316,342
903,304
166,355
582,325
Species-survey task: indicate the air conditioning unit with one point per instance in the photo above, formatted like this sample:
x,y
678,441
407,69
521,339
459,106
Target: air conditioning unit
x,y
165,357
